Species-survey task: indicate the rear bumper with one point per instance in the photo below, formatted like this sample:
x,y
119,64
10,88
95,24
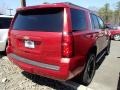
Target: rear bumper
x,y
61,72
51,71
2,45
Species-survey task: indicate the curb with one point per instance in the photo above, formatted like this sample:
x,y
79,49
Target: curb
x,y
81,87
76,86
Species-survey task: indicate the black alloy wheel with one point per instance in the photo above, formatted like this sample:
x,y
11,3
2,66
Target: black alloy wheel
x,y
89,70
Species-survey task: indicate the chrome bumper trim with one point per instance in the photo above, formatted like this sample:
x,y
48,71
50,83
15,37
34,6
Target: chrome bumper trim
x,y
31,62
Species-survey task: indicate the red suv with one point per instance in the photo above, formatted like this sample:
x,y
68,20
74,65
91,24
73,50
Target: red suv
x,y
58,41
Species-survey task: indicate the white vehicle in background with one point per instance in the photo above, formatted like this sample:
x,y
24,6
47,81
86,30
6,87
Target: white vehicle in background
x,y
118,27
4,27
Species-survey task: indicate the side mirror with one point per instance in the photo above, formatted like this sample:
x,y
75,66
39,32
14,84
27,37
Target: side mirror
x,y
107,27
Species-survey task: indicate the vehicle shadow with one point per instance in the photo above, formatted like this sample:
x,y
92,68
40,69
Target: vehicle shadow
x,y
2,54
118,86
58,85
118,57
72,84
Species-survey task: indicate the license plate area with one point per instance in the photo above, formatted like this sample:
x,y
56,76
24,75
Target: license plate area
x,y
29,44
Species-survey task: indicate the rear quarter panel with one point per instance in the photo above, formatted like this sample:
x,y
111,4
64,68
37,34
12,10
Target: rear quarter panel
x,y
82,42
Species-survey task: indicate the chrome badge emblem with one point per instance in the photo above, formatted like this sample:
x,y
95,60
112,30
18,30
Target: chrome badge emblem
x,y
26,37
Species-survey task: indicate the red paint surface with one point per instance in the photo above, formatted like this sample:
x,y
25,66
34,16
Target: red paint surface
x,y
48,46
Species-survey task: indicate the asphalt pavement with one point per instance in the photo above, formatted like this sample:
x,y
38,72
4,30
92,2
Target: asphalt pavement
x,y
107,75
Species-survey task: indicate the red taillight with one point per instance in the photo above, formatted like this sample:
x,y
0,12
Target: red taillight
x,y
67,45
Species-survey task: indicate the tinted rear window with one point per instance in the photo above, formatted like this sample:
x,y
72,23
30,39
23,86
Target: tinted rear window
x,y
48,20
5,22
78,19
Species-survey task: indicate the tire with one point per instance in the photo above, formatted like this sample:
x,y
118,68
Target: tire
x,y
108,48
89,70
4,52
116,37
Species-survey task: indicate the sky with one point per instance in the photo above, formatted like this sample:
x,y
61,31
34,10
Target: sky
x,y
13,4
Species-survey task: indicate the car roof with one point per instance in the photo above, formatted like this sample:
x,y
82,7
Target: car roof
x,y
45,5
6,16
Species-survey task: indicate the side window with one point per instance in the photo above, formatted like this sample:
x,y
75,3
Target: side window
x,y
95,24
101,23
78,19
5,22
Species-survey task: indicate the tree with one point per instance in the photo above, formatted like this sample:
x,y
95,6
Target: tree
x,y
106,13
117,14
106,7
118,6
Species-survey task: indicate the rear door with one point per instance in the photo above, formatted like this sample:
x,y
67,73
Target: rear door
x,y
98,33
104,32
37,34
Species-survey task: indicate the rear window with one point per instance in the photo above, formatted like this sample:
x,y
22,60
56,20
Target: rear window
x,y
5,22
48,20
78,19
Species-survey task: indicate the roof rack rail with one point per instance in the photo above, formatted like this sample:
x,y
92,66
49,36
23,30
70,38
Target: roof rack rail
x,y
46,3
69,3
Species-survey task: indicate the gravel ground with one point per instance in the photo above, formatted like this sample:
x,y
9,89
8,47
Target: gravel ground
x,y
106,77
12,78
